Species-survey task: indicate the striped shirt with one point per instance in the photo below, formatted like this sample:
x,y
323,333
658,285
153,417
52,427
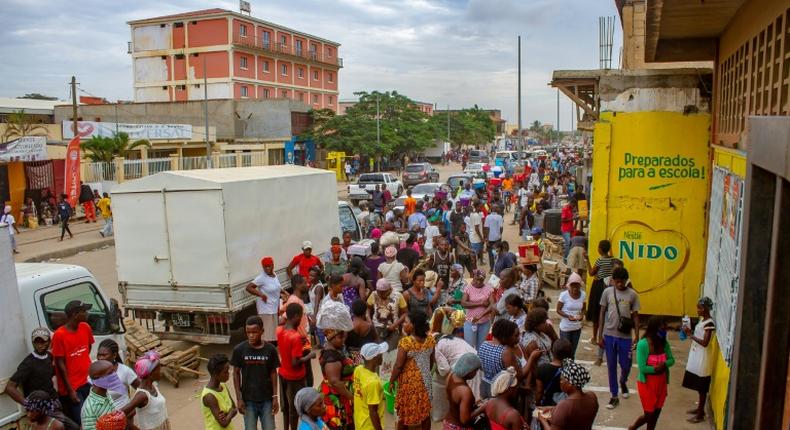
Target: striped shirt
x,y
94,407
604,265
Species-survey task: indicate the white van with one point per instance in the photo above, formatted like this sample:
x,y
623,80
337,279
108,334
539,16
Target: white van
x,y
45,289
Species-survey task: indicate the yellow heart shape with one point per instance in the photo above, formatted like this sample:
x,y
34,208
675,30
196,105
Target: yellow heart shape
x,y
650,251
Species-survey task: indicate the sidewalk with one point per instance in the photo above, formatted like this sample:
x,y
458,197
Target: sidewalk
x,y
42,243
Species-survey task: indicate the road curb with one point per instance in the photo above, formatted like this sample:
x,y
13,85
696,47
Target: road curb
x,y
68,252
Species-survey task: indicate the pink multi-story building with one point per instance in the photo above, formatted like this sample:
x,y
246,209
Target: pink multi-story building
x,y
241,57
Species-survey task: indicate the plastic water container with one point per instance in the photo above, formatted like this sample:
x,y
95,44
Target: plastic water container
x,y
553,221
389,397
686,323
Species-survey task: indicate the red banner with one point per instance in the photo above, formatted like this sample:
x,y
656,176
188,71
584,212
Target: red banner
x,y
72,188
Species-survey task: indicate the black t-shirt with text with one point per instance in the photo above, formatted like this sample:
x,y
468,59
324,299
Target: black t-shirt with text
x,y
256,365
35,373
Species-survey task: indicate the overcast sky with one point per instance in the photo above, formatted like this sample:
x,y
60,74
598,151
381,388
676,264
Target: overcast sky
x,y
452,52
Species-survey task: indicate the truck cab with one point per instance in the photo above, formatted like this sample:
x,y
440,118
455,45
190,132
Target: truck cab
x,y
45,289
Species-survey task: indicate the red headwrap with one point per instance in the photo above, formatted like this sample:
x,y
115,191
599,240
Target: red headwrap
x,y
336,249
267,261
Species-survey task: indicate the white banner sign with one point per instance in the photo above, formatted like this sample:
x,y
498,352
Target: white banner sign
x,y
88,129
28,148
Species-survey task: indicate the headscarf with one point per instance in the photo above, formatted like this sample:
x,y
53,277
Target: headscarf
x,y
503,381
467,364
574,279
146,364
267,261
430,279
383,284
39,401
575,373
305,398
390,252
707,302
458,318
457,268
375,234
115,420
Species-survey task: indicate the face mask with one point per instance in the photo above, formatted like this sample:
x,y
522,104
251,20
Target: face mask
x,y
110,382
662,334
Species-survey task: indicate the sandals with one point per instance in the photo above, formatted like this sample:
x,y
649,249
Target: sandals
x,y
696,419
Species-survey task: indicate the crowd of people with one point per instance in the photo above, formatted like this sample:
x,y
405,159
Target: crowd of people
x,y
436,293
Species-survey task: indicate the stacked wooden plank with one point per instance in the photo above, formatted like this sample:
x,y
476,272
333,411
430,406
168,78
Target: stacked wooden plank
x,y
174,362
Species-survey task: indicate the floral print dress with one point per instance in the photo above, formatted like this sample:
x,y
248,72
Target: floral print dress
x,y
339,410
413,399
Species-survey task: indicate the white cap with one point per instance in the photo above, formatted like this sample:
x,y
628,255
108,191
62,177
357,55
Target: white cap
x,y
307,244
370,351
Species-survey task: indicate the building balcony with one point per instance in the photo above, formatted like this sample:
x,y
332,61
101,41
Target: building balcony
x,y
281,49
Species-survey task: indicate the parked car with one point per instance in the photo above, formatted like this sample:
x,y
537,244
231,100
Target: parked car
x,y
367,183
474,169
417,173
455,181
478,156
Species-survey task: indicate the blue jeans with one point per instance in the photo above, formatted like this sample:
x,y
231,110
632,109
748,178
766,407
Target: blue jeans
x,y
566,236
107,229
618,350
259,412
573,337
475,338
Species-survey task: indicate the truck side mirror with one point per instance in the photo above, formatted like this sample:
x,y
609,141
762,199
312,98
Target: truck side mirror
x,y
115,318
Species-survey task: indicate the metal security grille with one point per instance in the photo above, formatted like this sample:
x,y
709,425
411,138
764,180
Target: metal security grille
x,y
755,79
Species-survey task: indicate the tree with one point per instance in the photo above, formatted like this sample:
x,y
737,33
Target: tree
x,y
37,96
536,126
20,124
468,127
105,149
403,126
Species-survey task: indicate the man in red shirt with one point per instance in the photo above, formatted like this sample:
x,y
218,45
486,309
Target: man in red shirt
x,y
566,225
304,261
293,363
71,347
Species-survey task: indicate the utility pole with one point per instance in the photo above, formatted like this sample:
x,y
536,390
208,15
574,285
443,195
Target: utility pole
x,y
205,113
378,124
448,124
519,89
558,115
116,117
74,105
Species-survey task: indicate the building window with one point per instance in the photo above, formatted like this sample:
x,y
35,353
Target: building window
x,y
315,99
329,52
284,69
315,75
331,100
181,87
313,50
266,36
331,77
266,93
243,91
243,63
266,66
243,30
284,94
283,39
301,97
299,48
300,72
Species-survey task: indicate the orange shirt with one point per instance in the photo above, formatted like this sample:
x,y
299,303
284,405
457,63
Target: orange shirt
x,y
409,206
507,184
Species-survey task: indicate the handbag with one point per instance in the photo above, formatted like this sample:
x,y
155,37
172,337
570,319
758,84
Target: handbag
x,y
625,325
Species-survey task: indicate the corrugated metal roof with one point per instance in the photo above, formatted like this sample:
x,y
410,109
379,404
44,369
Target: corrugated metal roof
x,y
43,107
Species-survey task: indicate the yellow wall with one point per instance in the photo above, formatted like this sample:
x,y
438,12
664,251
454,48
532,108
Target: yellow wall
x,y
655,221
734,162
16,186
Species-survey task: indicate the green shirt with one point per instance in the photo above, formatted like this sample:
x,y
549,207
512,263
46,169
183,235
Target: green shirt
x,y
94,407
642,351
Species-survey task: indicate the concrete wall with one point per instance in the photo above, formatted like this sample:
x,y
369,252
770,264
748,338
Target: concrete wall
x,y
653,90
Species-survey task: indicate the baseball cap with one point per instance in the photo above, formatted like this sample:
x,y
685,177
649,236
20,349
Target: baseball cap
x,y
75,306
307,244
40,333
370,351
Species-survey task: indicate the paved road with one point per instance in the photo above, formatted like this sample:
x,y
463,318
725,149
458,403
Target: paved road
x,y
184,404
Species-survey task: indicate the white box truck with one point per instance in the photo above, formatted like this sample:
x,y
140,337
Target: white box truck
x,y
34,295
188,242
435,152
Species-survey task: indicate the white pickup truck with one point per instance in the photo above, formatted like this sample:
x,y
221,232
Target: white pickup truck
x,y
367,183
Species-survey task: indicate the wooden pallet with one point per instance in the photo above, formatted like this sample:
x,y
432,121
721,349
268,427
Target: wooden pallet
x,y
174,363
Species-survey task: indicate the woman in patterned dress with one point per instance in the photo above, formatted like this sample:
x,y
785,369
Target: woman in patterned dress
x,y
338,370
412,373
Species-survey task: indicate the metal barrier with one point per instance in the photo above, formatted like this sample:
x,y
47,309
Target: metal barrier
x,y
97,172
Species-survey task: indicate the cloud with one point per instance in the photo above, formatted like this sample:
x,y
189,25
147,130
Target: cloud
x,y
456,52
